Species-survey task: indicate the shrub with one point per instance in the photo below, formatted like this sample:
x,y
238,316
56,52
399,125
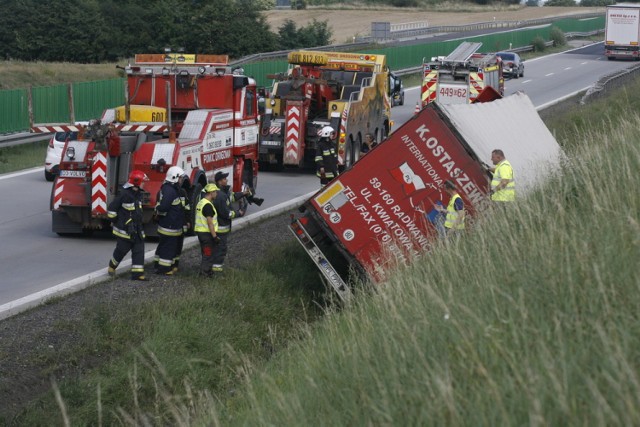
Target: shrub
x,y
538,44
298,4
557,36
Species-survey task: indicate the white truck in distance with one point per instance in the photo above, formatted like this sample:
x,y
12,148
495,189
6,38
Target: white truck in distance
x,y
622,32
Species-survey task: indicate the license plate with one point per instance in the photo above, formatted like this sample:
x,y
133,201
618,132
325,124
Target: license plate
x,y
72,174
271,143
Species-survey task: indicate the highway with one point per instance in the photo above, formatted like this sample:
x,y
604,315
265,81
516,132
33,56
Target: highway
x,y
33,258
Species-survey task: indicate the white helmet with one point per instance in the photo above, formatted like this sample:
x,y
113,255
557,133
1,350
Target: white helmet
x,y
173,174
326,132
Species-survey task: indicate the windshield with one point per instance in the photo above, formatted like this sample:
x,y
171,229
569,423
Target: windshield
x,y
64,136
507,56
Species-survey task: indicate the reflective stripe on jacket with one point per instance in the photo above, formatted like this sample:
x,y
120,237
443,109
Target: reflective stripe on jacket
x,y
201,225
507,194
326,158
452,215
170,210
225,211
125,213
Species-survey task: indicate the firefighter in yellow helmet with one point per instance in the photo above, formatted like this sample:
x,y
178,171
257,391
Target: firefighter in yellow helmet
x,y
206,228
503,184
125,212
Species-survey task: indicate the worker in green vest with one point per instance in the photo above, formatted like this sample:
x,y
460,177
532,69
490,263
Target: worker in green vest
x,y
503,185
206,228
455,213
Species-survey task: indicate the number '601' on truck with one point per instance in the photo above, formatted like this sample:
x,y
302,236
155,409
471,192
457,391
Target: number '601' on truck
x,y
375,213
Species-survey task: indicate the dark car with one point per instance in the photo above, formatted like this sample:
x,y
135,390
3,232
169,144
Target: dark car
x,y
512,64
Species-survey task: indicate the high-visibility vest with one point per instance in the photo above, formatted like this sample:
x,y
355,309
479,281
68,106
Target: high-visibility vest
x,y
452,215
507,194
201,225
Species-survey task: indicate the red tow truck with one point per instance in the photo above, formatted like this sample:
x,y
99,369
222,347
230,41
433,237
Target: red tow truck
x,y
375,214
191,111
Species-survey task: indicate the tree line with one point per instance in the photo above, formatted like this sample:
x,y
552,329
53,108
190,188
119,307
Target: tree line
x,y
93,31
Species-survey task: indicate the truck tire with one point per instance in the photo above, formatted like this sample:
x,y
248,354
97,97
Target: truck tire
x,y
348,155
356,151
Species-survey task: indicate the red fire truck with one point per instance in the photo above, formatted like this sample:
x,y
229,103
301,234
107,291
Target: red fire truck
x,y
182,110
462,76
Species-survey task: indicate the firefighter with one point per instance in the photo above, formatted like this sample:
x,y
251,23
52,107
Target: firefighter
x,y
206,228
125,212
326,159
503,186
186,206
171,218
226,213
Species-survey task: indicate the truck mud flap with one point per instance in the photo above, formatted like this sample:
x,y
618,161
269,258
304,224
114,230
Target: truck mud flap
x,y
63,225
320,260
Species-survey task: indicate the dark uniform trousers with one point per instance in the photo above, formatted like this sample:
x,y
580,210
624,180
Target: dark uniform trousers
x,y
220,252
207,249
136,245
165,252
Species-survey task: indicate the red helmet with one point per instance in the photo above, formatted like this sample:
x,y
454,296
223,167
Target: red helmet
x,y
136,178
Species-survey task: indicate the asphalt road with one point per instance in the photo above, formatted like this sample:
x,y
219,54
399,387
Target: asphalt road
x,y
33,258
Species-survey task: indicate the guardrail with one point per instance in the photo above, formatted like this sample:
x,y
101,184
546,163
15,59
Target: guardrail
x,y
491,25
366,41
22,138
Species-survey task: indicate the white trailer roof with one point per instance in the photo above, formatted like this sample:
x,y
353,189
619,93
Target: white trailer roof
x,y
512,125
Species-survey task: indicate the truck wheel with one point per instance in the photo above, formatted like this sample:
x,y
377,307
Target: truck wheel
x,y
278,165
356,151
348,155
402,99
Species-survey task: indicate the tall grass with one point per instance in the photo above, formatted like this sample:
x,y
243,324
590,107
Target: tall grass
x,y
23,156
531,319
20,74
162,357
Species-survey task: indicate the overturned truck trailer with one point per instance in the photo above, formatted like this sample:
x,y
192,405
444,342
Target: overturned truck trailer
x,y
375,213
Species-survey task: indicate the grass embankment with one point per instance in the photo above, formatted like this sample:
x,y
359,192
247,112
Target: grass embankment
x,y
23,156
20,74
532,318
203,336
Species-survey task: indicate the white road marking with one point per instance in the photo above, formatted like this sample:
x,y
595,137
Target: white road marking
x,y
550,74
20,173
568,68
526,81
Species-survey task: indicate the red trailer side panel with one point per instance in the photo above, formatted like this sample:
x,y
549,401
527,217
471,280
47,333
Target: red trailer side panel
x,y
380,205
